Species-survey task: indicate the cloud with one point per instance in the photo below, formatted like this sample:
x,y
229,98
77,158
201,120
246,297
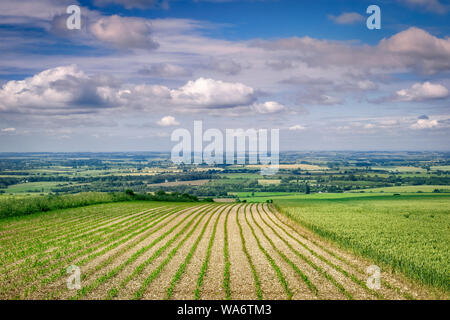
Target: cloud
x,y
418,49
209,93
430,5
8,130
58,90
168,121
67,90
346,18
268,107
413,49
124,32
278,65
34,10
130,4
425,124
165,70
226,66
421,92
297,127
317,96
366,85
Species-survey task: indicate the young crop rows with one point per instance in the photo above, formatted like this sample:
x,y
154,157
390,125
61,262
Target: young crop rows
x,y
180,251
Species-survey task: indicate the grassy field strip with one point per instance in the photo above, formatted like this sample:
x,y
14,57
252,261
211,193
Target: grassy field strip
x,y
35,259
346,261
402,292
182,280
272,262
302,256
155,273
257,284
333,267
297,270
47,268
305,259
408,234
347,274
61,235
112,273
139,269
142,235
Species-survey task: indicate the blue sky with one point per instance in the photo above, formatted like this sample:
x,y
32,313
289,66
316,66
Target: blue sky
x,y
139,69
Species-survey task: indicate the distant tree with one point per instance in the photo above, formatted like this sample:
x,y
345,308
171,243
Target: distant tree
x,y
160,193
307,189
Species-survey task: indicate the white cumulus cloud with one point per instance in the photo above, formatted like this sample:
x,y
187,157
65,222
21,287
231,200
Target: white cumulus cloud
x,y
67,90
422,91
124,32
168,121
268,107
425,124
297,127
213,93
60,90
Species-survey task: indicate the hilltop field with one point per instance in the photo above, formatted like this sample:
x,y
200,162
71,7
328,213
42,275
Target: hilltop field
x,y
161,250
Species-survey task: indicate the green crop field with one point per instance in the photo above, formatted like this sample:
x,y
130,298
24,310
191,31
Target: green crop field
x,y
407,189
409,233
32,187
166,250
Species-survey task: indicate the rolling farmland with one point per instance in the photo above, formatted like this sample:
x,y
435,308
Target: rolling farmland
x,y
157,250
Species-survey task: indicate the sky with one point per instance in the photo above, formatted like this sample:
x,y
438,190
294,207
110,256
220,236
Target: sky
x,y
136,70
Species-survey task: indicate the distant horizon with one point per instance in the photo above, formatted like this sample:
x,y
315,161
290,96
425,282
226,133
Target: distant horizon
x,y
168,152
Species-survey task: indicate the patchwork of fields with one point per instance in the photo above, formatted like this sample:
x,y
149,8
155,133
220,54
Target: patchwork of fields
x,y
149,250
